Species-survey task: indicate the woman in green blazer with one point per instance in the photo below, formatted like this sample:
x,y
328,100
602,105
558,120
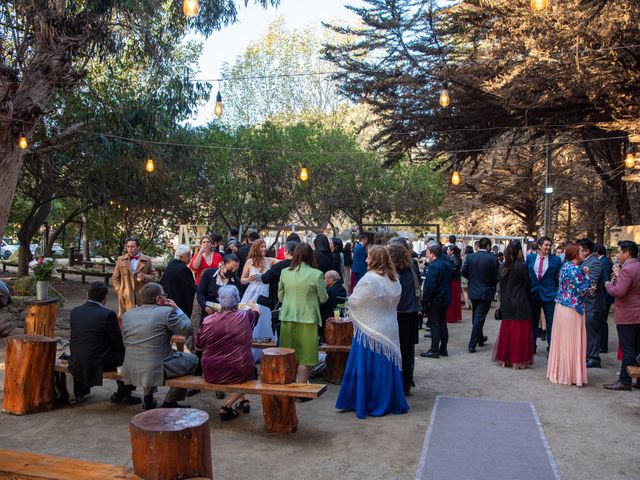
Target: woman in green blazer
x,y
301,291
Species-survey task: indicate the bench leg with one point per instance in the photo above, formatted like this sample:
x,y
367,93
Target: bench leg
x,y
336,363
279,414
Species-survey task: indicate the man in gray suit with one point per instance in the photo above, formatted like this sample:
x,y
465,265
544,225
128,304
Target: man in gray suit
x,y
594,303
149,358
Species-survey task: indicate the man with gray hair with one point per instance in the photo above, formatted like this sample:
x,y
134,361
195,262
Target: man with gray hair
x,y
177,280
149,358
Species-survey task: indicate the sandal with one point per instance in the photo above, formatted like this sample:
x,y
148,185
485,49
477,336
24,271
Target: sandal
x,y
228,413
243,406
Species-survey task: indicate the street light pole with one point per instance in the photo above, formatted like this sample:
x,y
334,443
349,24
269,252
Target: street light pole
x,y
548,189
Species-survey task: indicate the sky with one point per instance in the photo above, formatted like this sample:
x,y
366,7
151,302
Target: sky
x,y
253,21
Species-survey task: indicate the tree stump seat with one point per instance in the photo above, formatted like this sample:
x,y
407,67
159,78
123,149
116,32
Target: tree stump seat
x,y
28,381
171,443
337,334
40,317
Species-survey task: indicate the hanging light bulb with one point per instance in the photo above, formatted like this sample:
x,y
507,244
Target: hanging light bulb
x,y
304,174
455,177
630,159
150,165
445,99
22,142
538,5
218,109
190,8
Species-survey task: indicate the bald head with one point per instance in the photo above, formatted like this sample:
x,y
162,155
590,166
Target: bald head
x,y
331,277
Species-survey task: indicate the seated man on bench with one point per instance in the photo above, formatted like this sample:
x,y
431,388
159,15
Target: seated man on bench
x,y
149,358
96,345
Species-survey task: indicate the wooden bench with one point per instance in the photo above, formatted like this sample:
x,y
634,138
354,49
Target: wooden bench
x,y
83,273
179,340
6,264
252,387
18,465
634,372
102,265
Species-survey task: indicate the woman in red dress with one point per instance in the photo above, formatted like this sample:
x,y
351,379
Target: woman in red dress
x,y
513,347
454,310
206,257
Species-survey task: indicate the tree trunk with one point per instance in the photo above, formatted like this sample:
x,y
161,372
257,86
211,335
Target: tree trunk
x,y
11,160
41,317
85,237
28,381
171,443
337,333
279,366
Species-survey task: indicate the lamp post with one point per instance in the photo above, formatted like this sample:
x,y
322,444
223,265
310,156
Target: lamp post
x,y
548,189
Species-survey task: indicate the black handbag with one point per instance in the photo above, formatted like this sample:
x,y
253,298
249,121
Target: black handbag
x,y
497,314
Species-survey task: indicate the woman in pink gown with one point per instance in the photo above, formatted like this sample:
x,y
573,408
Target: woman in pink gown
x,y
567,355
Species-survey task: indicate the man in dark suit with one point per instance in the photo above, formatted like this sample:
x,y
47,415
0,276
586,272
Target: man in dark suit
x,y
177,280
481,270
436,297
96,345
272,277
544,271
607,269
593,302
243,253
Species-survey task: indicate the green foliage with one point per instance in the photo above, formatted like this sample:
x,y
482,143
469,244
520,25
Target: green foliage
x,y
43,268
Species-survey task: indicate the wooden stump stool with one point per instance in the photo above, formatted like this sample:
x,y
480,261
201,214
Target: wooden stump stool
x,y
28,381
337,333
279,367
41,317
171,443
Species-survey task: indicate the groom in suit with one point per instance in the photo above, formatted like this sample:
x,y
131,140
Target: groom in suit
x,y
544,271
481,270
594,303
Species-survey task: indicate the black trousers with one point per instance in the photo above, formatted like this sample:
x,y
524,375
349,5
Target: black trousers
x,y
604,329
408,326
480,310
548,307
110,363
593,325
629,336
439,330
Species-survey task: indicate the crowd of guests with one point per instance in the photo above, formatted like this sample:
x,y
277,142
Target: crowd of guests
x,y
243,294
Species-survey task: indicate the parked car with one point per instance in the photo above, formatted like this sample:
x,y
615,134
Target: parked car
x,y
56,249
8,249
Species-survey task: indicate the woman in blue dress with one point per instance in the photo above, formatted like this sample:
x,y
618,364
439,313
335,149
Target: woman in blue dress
x,y
372,382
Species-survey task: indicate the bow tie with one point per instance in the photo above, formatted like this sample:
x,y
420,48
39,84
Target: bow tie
x,y
135,258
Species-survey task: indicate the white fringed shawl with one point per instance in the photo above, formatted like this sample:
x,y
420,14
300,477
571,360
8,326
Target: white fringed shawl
x,y
372,306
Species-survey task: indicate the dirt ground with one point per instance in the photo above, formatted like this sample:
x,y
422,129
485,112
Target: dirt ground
x,y
591,431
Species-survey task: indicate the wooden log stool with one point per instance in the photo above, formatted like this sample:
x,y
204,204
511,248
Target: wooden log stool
x,y
28,380
337,333
171,443
279,367
41,317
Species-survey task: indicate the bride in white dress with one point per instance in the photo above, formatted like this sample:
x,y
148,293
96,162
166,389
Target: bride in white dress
x,y
257,264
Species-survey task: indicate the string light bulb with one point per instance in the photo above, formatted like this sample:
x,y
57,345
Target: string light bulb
x,y
630,159
190,8
445,98
150,167
304,174
539,5
218,109
455,177
22,142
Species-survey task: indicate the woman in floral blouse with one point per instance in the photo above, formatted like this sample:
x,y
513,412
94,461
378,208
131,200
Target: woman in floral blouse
x,y
567,356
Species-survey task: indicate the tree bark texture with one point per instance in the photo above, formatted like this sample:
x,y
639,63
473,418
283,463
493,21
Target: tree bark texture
x,y
41,317
171,443
278,366
337,333
28,382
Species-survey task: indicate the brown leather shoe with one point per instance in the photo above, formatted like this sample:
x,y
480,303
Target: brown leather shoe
x,y
618,386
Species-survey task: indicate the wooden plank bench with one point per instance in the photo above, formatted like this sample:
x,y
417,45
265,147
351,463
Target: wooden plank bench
x,y
18,465
179,340
102,265
6,264
252,387
634,372
83,273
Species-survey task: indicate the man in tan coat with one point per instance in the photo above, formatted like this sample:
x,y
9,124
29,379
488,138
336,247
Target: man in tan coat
x,y
132,271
